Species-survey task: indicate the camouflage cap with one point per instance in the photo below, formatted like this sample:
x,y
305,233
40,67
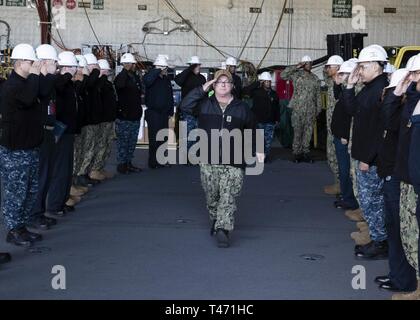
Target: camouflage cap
x,y
225,73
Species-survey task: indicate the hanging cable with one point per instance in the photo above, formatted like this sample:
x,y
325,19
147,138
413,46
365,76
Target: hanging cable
x,y
175,10
91,26
275,34
252,30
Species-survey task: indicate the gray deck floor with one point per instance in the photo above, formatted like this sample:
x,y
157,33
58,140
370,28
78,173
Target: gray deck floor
x,y
146,236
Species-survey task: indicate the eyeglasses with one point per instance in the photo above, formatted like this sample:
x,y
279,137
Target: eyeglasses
x,y
223,83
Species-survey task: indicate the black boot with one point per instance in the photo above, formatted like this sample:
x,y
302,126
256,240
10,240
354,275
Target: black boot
x,y
222,237
5,257
19,237
122,168
298,158
34,237
132,168
39,224
307,158
373,251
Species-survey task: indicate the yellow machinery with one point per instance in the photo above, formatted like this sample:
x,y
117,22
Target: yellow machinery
x,y
399,56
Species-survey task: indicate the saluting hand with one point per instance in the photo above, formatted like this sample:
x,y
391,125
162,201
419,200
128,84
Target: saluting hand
x,y
354,77
36,68
402,86
208,84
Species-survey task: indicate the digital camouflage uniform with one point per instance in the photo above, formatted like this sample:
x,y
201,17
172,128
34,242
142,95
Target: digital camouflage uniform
x,y
88,149
305,105
371,200
192,124
268,136
79,142
19,175
103,146
222,184
331,154
409,225
127,135
353,162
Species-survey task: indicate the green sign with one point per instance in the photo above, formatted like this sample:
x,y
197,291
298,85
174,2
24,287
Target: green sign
x,y
16,3
342,9
98,4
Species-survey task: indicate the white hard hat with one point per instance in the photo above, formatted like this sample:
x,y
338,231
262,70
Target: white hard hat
x,y
46,52
24,51
91,58
231,61
416,64
410,62
81,60
265,76
104,64
373,53
223,67
161,60
335,61
381,49
128,58
348,66
397,76
67,59
389,68
355,60
306,59
194,60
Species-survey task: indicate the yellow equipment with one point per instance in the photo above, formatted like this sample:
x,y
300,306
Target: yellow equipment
x,y
398,56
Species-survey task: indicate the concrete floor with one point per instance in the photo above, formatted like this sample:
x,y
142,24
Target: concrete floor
x,y
146,236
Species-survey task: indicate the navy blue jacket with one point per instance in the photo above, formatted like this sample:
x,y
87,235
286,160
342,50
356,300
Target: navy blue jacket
x,y
22,122
401,167
237,115
46,95
94,100
390,119
82,104
414,158
365,108
67,103
159,94
128,86
265,103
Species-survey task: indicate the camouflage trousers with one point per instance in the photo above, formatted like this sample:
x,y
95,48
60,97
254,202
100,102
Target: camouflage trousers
x,y
303,127
268,135
19,175
192,124
409,225
332,157
88,148
79,141
127,136
353,175
103,145
222,185
371,200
